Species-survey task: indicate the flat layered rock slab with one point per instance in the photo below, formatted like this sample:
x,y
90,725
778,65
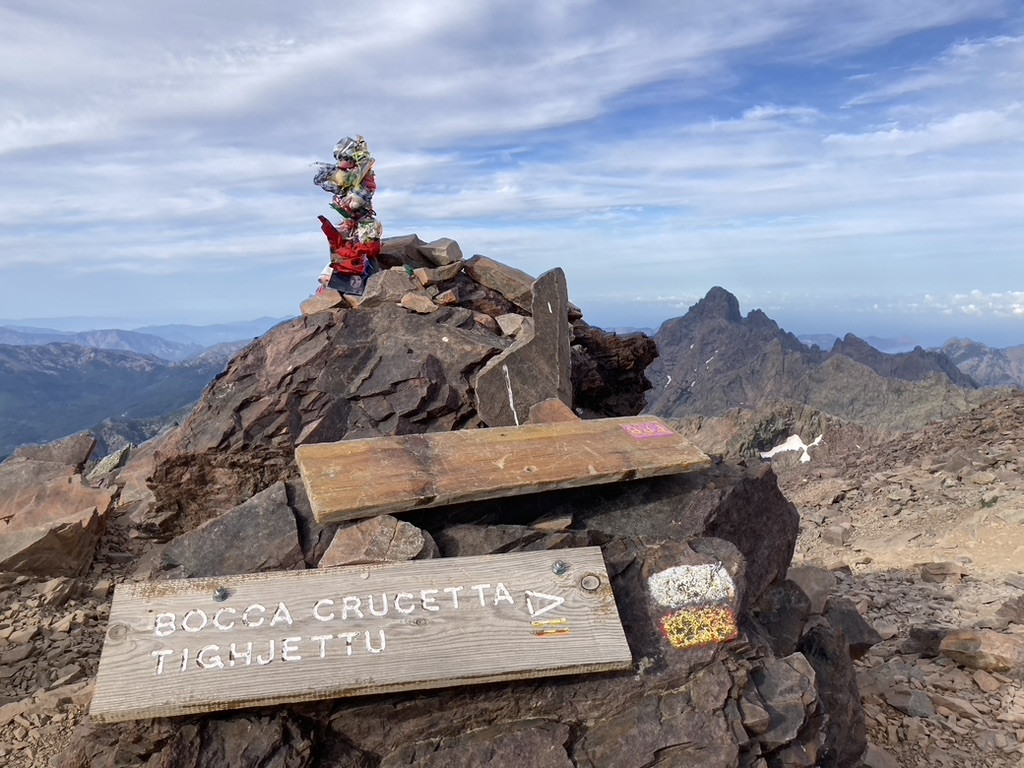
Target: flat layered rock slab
x,y
351,479
204,645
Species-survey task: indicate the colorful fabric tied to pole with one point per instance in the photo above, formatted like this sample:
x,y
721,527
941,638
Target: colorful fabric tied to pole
x,y
355,241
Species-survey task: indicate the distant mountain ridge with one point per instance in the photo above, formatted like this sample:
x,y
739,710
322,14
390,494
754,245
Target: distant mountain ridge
x,y
167,342
989,367
714,360
52,390
112,339
122,385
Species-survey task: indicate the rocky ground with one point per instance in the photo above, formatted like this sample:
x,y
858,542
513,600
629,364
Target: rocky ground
x,y
51,633
925,534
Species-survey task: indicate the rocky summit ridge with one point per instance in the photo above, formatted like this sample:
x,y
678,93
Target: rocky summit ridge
x,y
717,365
439,342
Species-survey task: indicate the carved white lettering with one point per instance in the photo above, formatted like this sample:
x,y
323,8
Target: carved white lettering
x,y
322,639
406,596
384,603
454,592
428,600
164,624
203,620
290,650
234,655
480,589
502,594
369,646
349,637
214,662
351,603
270,655
316,609
281,614
245,615
535,599
160,659
216,618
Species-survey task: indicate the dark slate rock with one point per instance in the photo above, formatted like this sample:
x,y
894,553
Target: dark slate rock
x,y
239,741
787,692
539,744
910,701
257,535
924,641
783,612
843,615
608,371
1013,609
632,738
334,375
836,681
468,540
314,538
536,367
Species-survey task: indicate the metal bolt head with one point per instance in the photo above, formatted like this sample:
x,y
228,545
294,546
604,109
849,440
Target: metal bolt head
x,y
221,594
590,582
559,567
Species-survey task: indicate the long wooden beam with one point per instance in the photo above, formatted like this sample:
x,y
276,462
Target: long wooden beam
x,y
371,476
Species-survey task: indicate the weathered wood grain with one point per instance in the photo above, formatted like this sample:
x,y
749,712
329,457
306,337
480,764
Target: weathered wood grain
x,y
451,621
383,475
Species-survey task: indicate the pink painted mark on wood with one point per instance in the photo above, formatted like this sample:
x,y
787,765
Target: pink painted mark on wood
x,y
648,429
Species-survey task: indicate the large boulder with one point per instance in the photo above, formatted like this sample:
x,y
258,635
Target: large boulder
x,y
50,519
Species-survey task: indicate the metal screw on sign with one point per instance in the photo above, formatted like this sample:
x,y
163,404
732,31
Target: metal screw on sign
x,y
590,582
221,594
559,567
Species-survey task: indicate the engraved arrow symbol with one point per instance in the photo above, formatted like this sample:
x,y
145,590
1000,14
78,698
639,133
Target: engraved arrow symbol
x,y
534,609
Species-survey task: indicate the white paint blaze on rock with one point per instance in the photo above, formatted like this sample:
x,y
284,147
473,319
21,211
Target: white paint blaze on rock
x,y
793,443
689,585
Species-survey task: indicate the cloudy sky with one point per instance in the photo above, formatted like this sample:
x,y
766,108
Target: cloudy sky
x,y
846,166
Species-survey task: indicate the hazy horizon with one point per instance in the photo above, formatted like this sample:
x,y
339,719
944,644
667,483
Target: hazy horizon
x,y
914,330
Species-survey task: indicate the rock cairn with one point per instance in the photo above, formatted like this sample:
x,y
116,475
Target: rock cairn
x,y
355,242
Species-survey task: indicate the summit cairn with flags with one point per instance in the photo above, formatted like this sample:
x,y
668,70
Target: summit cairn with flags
x,y
355,241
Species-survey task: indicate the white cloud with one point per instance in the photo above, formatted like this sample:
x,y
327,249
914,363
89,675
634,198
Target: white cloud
x,y
657,151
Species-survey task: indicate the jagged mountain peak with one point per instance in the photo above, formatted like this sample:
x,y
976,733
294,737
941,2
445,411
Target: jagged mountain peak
x,y
717,303
708,366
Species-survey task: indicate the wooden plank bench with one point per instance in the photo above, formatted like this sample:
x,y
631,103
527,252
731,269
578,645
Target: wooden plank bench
x,y
371,476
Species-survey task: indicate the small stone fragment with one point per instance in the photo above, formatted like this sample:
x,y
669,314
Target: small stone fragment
x,y
419,303
837,534
943,573
986,682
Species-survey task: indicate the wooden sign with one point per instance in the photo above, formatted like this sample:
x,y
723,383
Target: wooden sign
x,y
202,645
372,476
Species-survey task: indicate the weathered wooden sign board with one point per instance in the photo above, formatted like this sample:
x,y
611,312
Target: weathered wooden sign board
x,y
372,476
202,645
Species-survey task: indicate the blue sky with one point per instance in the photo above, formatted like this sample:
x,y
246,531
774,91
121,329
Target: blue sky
x,y
844,166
